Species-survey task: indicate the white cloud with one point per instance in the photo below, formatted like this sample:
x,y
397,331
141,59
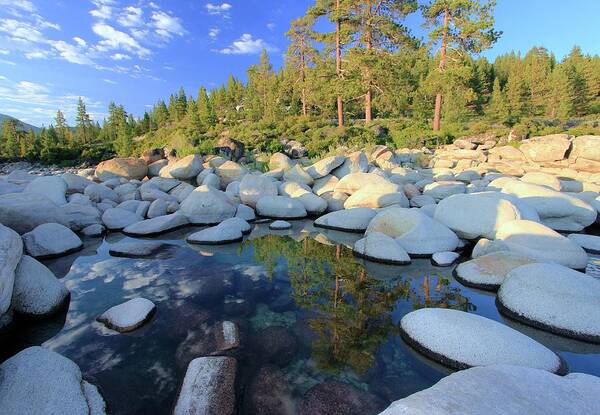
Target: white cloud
x,y
109,81
103,10
19,31
120,57
36,54
214,32
71,53
247,45
167,25
219,9
24,5
7,62
131,17
271,26
80,41
4,52
114,39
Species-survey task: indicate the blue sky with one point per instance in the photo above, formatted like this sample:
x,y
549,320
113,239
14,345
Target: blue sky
x,y
134,52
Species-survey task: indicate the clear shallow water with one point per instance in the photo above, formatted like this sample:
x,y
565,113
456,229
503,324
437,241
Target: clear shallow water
x,y
342,312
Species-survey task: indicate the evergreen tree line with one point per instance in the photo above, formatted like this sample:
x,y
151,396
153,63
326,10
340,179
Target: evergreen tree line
x,y
368,67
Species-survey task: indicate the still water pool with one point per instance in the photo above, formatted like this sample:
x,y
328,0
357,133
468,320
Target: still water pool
x,y
302,303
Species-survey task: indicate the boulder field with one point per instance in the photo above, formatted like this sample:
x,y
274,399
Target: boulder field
x,y
506,207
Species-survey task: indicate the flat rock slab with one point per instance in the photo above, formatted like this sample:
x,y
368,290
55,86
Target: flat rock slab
x,y
51,240
461,340
444,259
589,243
128,316
156,226
135,249
504,390
280,225
217,235
351,220
487,272
39,381
553,298
208,387
379,247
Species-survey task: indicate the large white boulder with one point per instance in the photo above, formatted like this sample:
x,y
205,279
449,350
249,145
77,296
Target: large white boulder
x,y
590,243
539,242
554,298
75,182
487,272
351,220
53,187
11,250
475,215
356,162
186,168
157,225
416,232
24,211
323,167
313,204
379,247
129,315
557,210
39,381
229,172
461,340
350,183
253,187
99,192
504,390
299,175
280,207
442,189
376,196
51,240
208,387
325,184
37,292
207,206
221,234
118,218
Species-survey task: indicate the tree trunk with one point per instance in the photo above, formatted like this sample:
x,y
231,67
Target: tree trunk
x,y
338,63
437,116
369,93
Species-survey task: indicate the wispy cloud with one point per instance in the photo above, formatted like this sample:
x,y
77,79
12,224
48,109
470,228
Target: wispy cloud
x,y
213,33
167,25
219,9
113,39
247,45
23,5
110,81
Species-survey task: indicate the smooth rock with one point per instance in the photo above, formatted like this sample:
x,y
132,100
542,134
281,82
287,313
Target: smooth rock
x,y
487,272
208,387
461,340
279,225
51,240
207,206
22,212
379,247
39,381
37,292
416,232
52,187
539,242
11,250
334,397
589,243
504,390
554,298
93,231
216,235
377,196
186,168
157,225
444,259
253,187
116,218
356,162
299,175
128,316
136,249
127,168
323,167
442,189
351,220
280,207
351,183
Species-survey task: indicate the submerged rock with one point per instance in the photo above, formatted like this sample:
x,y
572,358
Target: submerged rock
x,y
504,390
461,340
279,225
39,381
129,315
135,249
208,387
275,344
338,398
487,272
269,393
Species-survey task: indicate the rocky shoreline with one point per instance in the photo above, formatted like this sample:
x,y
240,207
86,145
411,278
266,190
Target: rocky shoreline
x,y
522,210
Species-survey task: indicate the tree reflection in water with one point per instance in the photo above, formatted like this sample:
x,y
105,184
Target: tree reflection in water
x,y
353,310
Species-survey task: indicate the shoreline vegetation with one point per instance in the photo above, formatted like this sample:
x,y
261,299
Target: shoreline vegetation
x,y
369,81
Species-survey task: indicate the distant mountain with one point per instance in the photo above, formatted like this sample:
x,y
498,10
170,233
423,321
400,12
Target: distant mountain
x,y
24,125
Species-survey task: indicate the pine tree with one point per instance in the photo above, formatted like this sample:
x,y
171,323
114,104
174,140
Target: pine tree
x,y
499,109
301,56
518,95
11,136
205,109
463,25
161,114
123,144
83,124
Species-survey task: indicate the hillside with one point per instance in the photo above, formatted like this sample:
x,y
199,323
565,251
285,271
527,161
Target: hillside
x,y
24,125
